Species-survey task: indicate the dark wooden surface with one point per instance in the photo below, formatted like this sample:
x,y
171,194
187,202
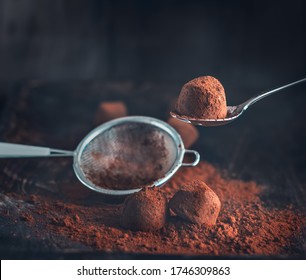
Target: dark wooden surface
x,y
266,145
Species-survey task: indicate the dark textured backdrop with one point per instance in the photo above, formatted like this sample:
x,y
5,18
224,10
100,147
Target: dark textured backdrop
x,y
153,40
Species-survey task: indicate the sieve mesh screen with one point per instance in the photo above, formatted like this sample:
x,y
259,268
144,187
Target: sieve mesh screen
x,y
129,155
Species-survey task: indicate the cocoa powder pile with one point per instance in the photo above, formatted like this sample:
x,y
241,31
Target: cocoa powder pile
x,y
245,226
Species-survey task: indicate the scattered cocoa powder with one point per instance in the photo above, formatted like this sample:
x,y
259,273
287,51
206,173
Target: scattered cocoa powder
x,y
145,210
202,98
246,224
196,203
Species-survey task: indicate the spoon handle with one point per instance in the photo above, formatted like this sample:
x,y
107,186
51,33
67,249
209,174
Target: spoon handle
x,y
268,93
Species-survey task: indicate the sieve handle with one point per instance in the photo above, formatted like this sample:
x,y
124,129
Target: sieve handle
x,y
8,150
196,160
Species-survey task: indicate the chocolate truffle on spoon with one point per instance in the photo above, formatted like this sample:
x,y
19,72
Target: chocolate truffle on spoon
x,y
202,98
202,102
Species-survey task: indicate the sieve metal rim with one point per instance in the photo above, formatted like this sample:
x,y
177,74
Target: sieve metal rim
x,y
136,119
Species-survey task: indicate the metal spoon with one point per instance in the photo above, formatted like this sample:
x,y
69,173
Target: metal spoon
x,y
233,112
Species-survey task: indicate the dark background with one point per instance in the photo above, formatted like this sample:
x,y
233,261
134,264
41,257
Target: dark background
x,y
240,42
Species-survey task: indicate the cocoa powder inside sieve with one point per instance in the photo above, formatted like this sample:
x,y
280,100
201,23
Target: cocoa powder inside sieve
x,y
131,168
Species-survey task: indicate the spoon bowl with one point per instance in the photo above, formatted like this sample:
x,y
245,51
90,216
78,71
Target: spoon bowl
x,y
233,112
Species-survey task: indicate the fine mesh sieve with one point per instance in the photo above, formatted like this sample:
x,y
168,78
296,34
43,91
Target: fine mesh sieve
x,y
121,156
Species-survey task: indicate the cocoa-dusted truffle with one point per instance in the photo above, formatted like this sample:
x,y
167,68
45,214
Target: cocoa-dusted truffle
x,y
145,210
110,110
196,203
202,98
187,131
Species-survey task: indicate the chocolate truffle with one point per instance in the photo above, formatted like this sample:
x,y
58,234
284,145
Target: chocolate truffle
x,y
188,132
202,98
110,110
196,203
145,210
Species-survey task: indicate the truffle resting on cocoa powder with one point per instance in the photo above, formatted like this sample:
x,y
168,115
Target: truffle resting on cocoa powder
x,y
202,98
197,203
145,210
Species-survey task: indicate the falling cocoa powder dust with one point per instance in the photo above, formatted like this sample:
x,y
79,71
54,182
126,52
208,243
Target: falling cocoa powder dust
x,y
245,226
